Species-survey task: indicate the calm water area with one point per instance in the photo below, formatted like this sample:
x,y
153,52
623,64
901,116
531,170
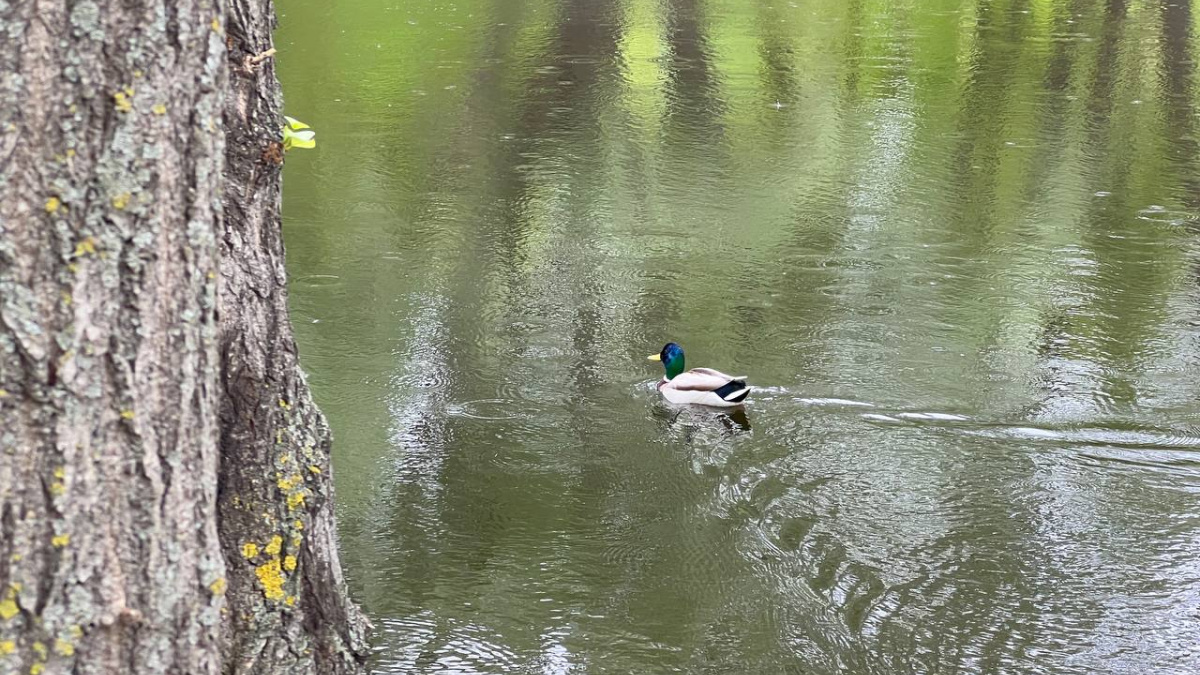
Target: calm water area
x,y
953,244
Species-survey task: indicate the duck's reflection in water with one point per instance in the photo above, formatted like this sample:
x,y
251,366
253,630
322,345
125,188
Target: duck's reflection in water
x,y
731,420
711,435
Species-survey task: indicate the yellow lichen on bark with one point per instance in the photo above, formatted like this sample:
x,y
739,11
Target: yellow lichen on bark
x,y
61,540
7,647
270,576
289,563
249,550
85,247
218,587
295,500
275,545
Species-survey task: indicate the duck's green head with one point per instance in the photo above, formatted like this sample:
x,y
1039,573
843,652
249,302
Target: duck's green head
x,y
672,359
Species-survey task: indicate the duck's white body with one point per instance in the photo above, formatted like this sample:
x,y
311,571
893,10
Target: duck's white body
x,y
705,386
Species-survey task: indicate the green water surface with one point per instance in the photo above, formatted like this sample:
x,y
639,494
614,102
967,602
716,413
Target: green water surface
x,y
952,243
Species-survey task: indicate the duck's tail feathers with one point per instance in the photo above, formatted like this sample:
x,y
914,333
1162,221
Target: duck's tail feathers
x,y
734,391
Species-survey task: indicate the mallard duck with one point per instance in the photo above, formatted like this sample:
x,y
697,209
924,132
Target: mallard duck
x,y
703,386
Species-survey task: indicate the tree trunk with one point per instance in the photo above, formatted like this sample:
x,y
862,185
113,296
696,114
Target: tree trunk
x,y
165,500
289,610
110,154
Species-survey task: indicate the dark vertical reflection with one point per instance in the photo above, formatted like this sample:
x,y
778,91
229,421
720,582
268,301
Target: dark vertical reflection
x,y
560,119
1116,329
692,136
853,52
1060,68
999,29
692,119
1058,71
1104,78
777,54
427,472
1178,73
1060,379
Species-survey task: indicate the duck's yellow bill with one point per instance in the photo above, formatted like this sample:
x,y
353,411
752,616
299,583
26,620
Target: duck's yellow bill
x,y
654,357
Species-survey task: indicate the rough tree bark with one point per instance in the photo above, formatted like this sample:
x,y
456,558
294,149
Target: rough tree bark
x,y
110,115
289,608
127,399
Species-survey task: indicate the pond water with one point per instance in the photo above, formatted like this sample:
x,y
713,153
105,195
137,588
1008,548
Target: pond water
x,y
953,244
